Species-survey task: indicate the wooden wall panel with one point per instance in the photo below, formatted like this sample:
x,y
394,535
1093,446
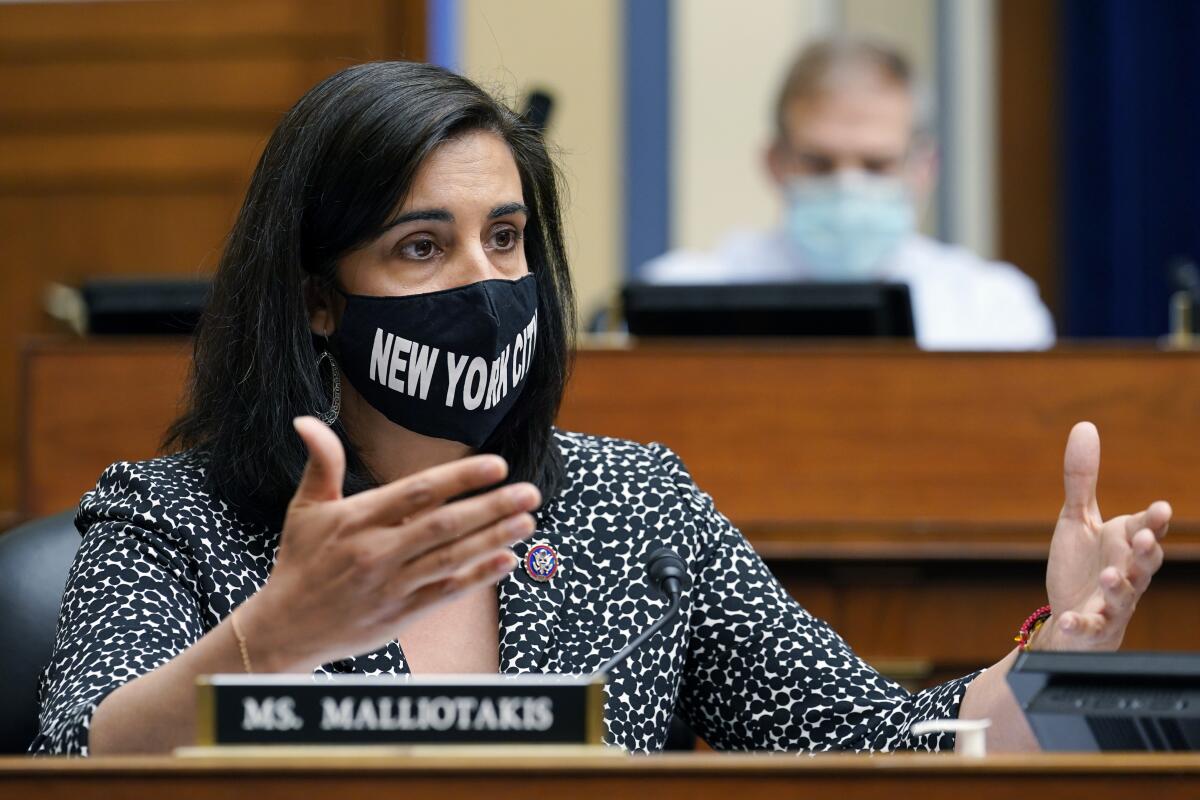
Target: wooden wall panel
x,y
115,26
202,84
128,131
1027,65
119,161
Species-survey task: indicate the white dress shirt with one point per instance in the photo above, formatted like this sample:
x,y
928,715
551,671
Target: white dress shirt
x,y
960,301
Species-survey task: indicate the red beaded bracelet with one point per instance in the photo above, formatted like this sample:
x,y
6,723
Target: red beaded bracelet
x,y
1030,626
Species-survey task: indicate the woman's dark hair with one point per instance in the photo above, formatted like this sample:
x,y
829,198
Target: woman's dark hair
x,y
335,169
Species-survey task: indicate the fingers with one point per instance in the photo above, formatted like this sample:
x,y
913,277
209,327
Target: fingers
x,y
1081,469
391,503
1120,595
463,554
481,574
447,539
1108,613
1082,625
1143,533
1156,518
326,467
1111,613
431,532
1145,558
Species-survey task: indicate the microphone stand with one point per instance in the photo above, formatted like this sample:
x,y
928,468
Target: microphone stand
x,y
676,595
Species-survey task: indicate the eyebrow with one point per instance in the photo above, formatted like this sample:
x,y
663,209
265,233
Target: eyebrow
x,y
508,208
442,215
423,215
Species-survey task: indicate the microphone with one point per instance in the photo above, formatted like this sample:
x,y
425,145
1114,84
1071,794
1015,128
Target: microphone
x,y
669,576
538,107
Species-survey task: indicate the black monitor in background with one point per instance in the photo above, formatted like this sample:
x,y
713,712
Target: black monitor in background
x,y
856,310
144,306
1110,701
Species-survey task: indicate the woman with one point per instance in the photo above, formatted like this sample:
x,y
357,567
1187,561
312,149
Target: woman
x,y
398,269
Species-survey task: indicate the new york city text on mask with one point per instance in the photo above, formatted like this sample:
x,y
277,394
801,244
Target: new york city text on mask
x,y
483,382
446,364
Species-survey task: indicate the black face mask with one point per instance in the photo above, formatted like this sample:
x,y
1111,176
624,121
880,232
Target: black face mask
x,y
447,364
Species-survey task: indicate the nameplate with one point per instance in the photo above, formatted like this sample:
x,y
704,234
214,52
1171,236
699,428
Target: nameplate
x,y
398,709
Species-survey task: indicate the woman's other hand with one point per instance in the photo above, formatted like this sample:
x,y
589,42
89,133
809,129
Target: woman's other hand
x,y
350,569
1097,569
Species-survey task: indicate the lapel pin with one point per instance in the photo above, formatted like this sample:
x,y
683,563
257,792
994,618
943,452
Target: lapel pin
x,y
541,562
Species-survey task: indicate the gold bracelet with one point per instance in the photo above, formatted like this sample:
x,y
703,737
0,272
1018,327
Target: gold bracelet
x,y
241,640
1033,633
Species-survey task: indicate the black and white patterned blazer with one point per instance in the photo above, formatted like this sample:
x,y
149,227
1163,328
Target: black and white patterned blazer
x,y
162,562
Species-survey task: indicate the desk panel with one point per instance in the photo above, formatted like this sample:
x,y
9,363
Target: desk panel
x,y
695,777
871,434
783,436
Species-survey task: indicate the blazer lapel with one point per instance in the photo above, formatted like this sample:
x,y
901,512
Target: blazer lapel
x,y
387,660
530,609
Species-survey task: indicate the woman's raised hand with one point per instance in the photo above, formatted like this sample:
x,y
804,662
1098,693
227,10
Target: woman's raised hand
x,y
350,570
1098,569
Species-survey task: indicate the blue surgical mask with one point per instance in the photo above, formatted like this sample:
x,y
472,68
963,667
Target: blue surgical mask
x,y
846,226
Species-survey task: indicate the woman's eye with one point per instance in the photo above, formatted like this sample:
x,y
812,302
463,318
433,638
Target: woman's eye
x,y
505,239
419,249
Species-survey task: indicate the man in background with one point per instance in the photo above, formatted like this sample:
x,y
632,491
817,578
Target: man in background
x,y
854,163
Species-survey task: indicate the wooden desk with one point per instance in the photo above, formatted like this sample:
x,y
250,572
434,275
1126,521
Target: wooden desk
x,y
696,777
778,434
906,497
